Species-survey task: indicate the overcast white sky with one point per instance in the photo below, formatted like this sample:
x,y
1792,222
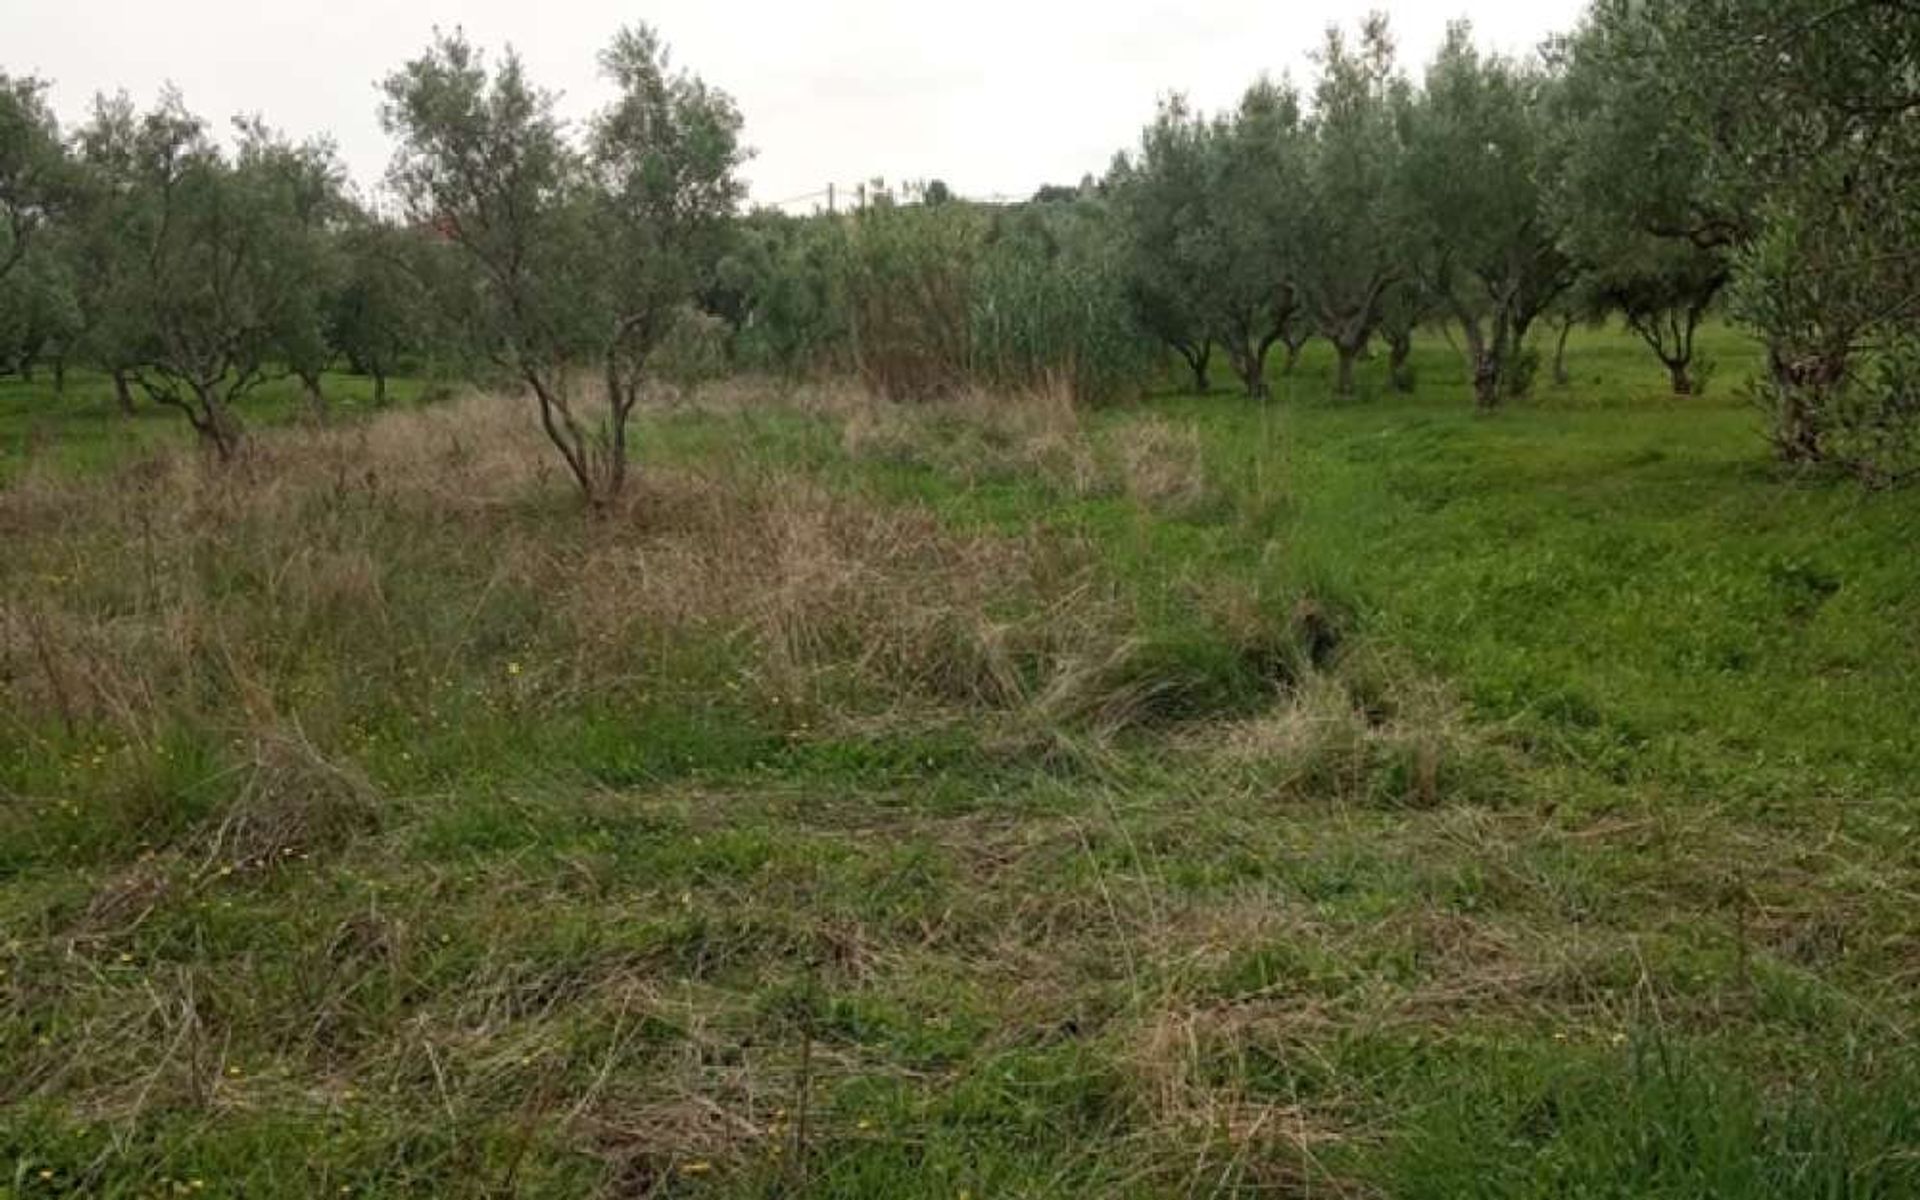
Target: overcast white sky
x,y
994,96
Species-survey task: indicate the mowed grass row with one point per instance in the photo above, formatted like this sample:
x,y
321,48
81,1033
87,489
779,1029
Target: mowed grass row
x,y
1205,799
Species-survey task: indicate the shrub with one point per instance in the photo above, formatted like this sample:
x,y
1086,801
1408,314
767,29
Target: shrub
x,y
1034,321
906,281
925,301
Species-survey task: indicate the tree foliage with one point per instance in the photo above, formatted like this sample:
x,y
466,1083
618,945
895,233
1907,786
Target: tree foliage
x,y
33,170
379,314
203,267
1358,227
1173,241
1664,160
1477,176
1782,136
585,252
776,289
1628,201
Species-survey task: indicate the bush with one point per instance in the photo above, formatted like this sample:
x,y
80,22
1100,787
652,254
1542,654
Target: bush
x,y
776,291
923,301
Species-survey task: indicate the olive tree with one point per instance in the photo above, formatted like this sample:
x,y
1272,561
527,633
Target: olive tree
x,y
1831,277
309,207
38,308
1796,124
1170,230
39,316
378,316
662,159
33,174
1476,171
1404,308
1628,199
586,251
106,258
1356,229
203,260
484,163
1662,290
1259,190
1211,213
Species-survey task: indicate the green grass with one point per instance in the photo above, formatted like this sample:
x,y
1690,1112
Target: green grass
x,y
1618,574
82,429
1357,798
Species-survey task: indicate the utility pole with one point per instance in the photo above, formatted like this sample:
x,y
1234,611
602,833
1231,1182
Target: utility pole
x,y
829,199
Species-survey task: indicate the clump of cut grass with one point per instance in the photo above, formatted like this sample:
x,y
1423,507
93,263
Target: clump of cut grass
x,y
1038,438
1332,738
1189,1063
294,803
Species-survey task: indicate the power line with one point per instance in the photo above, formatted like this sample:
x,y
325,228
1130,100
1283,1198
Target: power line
x,y
825,191
854,195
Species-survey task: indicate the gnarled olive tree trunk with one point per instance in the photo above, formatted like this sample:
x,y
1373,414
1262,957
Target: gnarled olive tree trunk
x,y
1198,356
1560,376
1399,350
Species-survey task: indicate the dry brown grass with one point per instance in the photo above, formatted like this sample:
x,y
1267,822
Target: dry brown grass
x,y
1189,1066
850,607
1164,467
1365,729
976,435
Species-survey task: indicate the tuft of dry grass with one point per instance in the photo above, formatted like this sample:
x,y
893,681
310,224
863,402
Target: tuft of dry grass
x,y
1367,732
1164,468
1038,437
294,803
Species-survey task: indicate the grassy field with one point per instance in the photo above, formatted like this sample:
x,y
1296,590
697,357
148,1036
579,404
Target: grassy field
x,y
81,428
1206,798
